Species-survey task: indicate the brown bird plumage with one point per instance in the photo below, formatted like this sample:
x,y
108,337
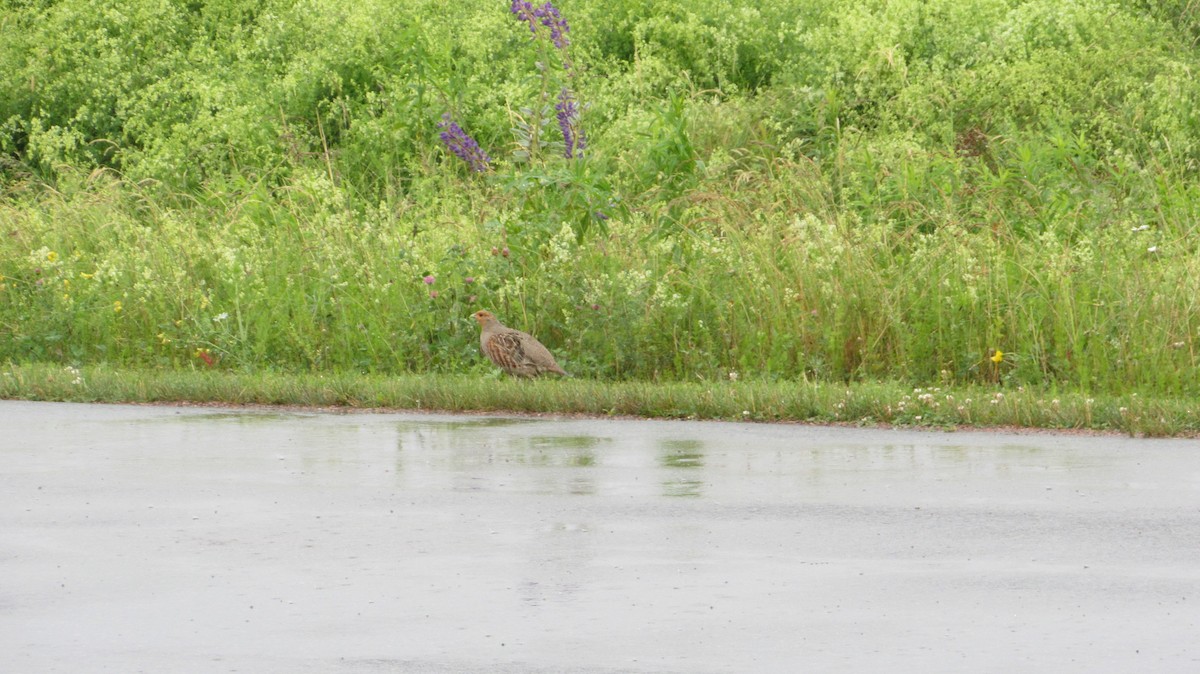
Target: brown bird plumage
x,y
513,351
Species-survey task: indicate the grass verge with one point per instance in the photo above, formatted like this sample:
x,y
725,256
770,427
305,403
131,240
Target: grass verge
x,y
859,403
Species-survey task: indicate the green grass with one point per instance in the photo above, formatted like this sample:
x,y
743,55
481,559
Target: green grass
x,y
792,190
860,404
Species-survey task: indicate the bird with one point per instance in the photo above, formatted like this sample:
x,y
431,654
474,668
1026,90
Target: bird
x,y
513,351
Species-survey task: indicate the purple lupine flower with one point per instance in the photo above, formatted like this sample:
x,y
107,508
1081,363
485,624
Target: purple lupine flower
x,y
463,145
567,112
557,25
524,11
548,15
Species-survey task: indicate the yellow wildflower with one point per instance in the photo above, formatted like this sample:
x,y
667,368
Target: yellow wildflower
x,y
52,256
998,357
117,307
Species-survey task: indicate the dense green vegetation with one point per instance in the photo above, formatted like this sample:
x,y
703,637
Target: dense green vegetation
x,y
789,190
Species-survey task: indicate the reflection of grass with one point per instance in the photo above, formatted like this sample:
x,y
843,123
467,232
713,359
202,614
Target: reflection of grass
x,y
252,419
682,446
563,441
683,488
682,460
681,453
554,450
759,401
486,422
582,459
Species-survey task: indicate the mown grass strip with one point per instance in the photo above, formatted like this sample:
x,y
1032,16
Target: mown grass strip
x,y
814,402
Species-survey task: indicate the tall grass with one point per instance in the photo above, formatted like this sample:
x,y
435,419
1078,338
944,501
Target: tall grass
x,y
783,191
751,287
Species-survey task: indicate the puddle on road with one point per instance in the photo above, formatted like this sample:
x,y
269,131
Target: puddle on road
x,y
540,543
594,458
554,450
560,441
248,417
682,488
681,453
681,458
468,423
590,457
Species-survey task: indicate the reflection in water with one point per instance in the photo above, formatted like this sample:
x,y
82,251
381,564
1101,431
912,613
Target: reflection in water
x,y
936,459
583,459
681,455
566,456
247,417
552,450
581,486
677,488
485,458
561,441
497,455
460,424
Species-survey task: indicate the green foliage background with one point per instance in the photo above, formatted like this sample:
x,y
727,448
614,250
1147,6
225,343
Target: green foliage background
x,y
794,189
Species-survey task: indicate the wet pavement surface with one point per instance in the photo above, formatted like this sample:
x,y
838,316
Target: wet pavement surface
x,y
148,539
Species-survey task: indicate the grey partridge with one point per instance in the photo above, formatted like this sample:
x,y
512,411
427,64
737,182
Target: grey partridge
x,y
513,351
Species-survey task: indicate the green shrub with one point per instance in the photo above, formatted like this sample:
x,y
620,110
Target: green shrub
x,y
829,191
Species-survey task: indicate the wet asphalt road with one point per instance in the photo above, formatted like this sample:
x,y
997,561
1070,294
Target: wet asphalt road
x,y
143,539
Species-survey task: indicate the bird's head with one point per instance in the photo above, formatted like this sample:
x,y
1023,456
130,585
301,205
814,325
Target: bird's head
x,y
483,316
